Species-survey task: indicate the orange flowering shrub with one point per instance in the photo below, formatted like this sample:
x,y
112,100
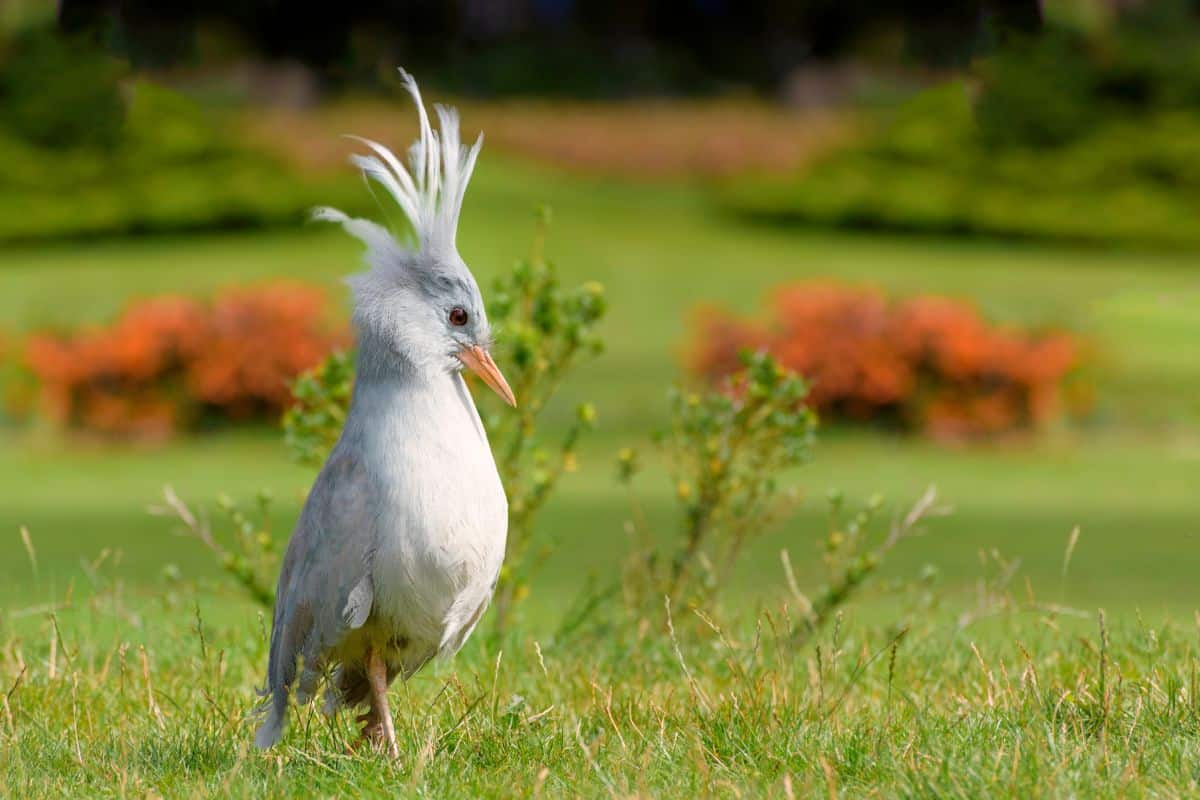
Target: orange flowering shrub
x,y
925,363
170,362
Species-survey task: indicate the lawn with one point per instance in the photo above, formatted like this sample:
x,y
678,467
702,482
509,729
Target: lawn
x,y
660,250
1128,476
118,698
1020,703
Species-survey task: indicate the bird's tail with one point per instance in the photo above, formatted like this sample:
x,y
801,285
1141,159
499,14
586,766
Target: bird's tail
x,y
274,712
274,706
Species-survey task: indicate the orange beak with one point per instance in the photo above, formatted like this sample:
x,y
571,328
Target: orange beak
x,y
480,362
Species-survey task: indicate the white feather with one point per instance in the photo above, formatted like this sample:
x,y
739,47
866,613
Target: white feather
x,y
430,190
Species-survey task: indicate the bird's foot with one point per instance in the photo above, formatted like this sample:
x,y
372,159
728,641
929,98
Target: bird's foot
x,y
374,734
370,732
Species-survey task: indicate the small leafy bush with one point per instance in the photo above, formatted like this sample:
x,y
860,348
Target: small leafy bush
x,y
724,450
543,332
247,553
729,453
856,546
173,362
317,411
927,363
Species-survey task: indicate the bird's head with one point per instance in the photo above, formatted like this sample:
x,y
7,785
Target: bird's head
x,y
419,303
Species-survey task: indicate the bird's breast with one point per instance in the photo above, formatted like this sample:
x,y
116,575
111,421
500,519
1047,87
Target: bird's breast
x,y
444,522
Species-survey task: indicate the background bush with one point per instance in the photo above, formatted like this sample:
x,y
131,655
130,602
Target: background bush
x,y
57,91
926,363
85,153
929,170
1083,135
1057,86
172,362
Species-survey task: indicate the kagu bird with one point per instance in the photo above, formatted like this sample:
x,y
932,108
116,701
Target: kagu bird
x,y
397,550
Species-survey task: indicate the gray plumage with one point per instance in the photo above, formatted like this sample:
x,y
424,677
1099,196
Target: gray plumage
x,y
396,553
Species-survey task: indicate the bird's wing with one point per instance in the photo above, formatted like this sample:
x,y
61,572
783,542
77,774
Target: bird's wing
x,y
325,588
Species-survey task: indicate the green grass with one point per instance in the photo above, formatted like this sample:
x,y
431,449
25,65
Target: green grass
x,y
660,250
1128,477
141,696
1025,713
1135,504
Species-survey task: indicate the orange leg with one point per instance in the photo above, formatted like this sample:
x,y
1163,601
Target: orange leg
x,y
379,719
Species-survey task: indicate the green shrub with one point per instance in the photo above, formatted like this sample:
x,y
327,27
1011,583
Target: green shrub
x,y
243,547
729,453
1056,87
725,450
320,400
58,92
930,170
1090,136
139,158
543,332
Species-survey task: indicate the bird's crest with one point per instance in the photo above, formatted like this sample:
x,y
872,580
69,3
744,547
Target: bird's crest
x,y
429,190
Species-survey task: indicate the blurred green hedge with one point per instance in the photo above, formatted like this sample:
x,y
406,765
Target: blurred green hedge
x,y
83,153
1078,135
1135,181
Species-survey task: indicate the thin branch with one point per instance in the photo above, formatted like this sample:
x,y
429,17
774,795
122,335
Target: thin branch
x,y
924,508
175,507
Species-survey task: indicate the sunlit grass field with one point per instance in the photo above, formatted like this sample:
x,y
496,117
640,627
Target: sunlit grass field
x,y
1134,502
1026,700
660,250
1128,475
123,698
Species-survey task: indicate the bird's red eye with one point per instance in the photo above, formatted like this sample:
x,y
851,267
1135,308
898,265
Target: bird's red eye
x,y
458,316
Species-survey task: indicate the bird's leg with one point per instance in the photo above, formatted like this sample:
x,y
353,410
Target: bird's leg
x,y
380,715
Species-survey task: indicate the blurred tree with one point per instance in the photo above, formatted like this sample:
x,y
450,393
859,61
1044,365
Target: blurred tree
x,y
59,91
1057,87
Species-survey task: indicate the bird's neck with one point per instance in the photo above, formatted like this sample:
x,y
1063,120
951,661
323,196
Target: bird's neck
x,y
389,388
378,362
380,368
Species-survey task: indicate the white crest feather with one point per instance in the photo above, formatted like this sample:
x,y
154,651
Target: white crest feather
x,y
429,190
